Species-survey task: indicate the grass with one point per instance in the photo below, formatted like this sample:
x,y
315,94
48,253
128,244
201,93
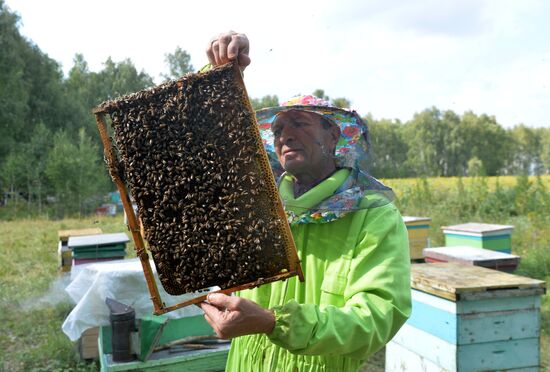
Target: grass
x,y
33,305
449,183
32,301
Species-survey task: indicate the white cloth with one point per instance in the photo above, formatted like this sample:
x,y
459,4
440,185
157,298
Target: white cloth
x,y
122,280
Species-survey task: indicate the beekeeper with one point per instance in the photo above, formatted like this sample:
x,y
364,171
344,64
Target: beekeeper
x,y
350,238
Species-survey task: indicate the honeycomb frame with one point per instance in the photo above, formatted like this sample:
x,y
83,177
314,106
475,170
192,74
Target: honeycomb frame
x,y
117,171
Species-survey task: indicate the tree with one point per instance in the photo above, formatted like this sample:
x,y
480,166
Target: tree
x,y
486,140
119,78
88,89
526,151
388,153
34,157
13,93
12,175
457,153
545,149
30,86
426,134
44,81
73,170
320,93
83,88
179,64
265,101
475,167
340,102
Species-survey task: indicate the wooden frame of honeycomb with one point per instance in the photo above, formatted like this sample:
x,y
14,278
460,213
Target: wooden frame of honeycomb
x,y
191,154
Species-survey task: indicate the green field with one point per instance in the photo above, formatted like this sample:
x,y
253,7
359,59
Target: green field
x,y
33,305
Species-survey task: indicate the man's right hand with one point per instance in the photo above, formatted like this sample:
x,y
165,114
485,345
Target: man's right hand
x,y
229,46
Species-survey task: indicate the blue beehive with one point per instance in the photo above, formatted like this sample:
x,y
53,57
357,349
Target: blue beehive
x,y
480,235
469,318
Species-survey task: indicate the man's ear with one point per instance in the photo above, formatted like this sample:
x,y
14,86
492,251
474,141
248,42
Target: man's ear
x,y
334,135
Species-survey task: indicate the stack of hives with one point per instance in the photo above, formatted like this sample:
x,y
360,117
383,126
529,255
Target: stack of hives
x,y
65,254
97,248
192,157
468,318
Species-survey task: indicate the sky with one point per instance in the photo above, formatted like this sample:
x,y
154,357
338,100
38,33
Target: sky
x,y
389,58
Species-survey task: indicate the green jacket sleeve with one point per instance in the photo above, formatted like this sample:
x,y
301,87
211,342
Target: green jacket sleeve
x,y
376,297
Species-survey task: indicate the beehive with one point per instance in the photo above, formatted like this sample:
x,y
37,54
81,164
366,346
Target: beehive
x,y
63,250
468,318
87,344
417,228
191,155
480,235
97,248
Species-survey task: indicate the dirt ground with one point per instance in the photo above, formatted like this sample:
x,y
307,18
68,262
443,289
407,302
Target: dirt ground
x,y
376,363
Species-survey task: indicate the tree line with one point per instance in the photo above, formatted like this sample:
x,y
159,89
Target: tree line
x,y
51,156
443,143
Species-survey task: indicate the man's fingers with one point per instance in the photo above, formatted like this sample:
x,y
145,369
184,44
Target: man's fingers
x,y
215,318
210,53
243,60
220,300
213,324
224,41
211,310
216,51
225,302
227,47
239,49
237,44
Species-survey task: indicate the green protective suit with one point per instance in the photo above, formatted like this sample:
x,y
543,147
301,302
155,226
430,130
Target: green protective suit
x,y
355,297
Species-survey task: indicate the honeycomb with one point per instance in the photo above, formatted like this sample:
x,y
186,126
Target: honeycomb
x,y
191,155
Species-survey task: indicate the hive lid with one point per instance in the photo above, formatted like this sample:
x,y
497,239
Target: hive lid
x,y
454,281
65,234
467,254
483,229
410,219
97,240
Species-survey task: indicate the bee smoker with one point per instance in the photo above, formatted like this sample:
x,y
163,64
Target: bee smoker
x,y
123,323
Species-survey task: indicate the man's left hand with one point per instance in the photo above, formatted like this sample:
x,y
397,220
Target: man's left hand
x,y
232,316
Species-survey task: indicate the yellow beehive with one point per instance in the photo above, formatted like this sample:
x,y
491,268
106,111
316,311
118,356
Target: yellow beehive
x,y
418,228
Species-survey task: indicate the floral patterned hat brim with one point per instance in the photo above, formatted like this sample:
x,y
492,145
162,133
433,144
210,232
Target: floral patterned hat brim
x,y
351,146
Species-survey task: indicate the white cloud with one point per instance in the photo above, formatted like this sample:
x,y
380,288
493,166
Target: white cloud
x,y
389,58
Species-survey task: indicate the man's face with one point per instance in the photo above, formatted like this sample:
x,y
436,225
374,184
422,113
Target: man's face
x,y
301,142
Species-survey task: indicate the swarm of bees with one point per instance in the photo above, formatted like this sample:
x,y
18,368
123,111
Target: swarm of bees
x,y
192,159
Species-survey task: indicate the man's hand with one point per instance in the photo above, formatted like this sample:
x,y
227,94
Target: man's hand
x,y
229,46
232,316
